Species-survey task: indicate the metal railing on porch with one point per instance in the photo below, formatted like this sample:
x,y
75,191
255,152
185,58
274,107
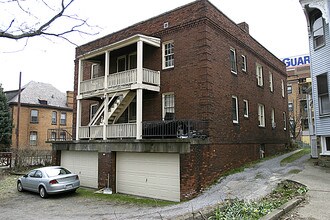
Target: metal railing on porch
x,y
59,134
175,129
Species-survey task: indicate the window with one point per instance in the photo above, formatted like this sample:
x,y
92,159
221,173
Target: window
x,y
34,116
289,89
323,93
53,136
260,79
33,138
233,65
168,54
168,106
132,61
282,84
63,118
244,63
290,107
318,30
234,102
246,108
92,111
273,118
121,63
54,118
271,85
284,120
62,136
325,144
95,70
261,115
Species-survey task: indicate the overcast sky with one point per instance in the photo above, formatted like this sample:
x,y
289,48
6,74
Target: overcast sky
x,y
279,25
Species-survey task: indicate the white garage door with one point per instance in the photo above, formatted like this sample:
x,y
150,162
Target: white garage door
x,y
154,175
83,163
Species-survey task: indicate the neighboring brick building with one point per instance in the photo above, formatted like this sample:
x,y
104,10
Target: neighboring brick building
x,y
299,80
166,106
45,113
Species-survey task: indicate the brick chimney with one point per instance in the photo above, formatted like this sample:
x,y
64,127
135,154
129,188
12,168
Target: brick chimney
x,y
244,26
69,99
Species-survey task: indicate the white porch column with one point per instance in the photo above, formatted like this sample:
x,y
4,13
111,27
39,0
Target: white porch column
x,y
139,61
78,118
105,116
139,101
107,68
139,92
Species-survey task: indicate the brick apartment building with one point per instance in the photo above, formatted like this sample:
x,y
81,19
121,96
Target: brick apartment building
x,y
45,113
166,106
298,82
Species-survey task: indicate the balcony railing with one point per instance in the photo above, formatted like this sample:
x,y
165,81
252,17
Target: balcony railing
x,y
175,129
112,131
120,79
61,134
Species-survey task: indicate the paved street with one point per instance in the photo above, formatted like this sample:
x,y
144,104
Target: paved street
x,y
251,184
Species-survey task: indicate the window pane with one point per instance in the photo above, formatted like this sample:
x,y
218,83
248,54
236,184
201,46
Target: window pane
x,y
233,61
34,116
234,109
327,142
54,117
33,138
168,54
324,104
63,118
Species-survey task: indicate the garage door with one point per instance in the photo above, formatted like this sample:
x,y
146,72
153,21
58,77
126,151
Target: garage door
x,y
154,175
83,163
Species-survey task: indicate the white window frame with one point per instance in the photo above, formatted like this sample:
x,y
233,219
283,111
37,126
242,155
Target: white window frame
x,y
233,61
63,118
33,139
273,118
246,108
120,58
283,89
166,108
261,115
95,68
235,121
130,59
271,82
91,115
316,31
168,52
287,89
323,94
244,63
324,145
34,114
54,119
259,75
284,121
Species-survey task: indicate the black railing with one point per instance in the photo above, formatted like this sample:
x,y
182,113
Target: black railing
x,y
175,129
60,134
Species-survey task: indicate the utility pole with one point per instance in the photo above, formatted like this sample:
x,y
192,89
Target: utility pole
x,y
18,119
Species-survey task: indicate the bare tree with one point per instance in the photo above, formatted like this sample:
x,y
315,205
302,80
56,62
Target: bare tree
x,y
23,19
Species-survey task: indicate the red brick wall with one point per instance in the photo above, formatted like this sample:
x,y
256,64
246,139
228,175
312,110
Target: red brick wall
x,y
107,165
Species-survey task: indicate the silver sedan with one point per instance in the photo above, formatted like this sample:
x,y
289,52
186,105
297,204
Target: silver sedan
x,y
49,180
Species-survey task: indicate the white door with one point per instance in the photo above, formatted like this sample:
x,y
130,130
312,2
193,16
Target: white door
x,y
154,175
83,163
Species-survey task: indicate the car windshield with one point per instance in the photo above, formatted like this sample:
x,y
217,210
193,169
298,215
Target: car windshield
x,y
57,171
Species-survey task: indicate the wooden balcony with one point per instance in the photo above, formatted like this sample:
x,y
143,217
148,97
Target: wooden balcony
x,y
119,81
112,131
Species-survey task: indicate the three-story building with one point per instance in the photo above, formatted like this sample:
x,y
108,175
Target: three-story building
x,y
166,106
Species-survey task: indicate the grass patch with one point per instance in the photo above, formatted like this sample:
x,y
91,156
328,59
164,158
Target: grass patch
x,y
237,209
121,198
295,156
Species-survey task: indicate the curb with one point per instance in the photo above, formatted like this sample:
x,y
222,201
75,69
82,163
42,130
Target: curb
x,y
277,213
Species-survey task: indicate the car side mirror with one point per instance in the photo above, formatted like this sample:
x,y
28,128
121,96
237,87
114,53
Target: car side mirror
x,y
25,175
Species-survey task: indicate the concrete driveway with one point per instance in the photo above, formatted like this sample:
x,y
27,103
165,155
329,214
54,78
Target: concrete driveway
x,y
252,183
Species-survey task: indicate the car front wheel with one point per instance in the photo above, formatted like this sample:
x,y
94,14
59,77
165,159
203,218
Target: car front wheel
x,y
42,192
19,187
